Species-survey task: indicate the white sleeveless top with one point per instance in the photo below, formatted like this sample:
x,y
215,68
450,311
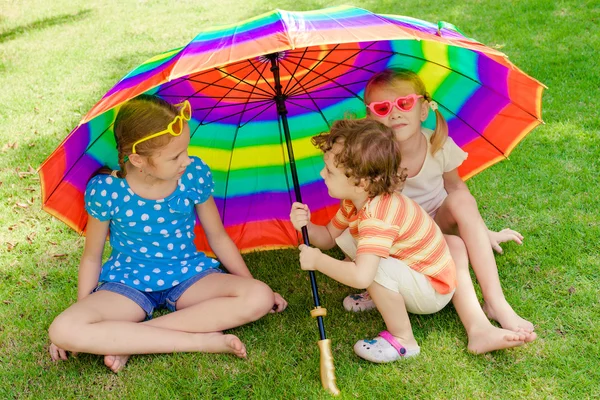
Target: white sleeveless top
x,y
427,187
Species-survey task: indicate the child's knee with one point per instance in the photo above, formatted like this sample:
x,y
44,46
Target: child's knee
x,y
455,244
260,299
63,332
458,251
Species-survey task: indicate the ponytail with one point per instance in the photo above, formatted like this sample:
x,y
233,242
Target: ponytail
x,y
440,134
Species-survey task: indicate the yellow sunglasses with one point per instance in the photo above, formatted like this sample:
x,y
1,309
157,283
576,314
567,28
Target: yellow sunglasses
x,y
175,128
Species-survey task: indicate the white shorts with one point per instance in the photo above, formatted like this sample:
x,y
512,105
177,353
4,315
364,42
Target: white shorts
x,y
393,274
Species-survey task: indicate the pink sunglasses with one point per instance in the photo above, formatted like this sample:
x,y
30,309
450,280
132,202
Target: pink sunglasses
x,y
383,108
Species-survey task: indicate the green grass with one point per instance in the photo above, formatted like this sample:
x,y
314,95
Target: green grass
x,y
58,58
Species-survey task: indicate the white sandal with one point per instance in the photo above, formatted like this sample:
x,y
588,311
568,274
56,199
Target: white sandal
x,y
359,302
384,348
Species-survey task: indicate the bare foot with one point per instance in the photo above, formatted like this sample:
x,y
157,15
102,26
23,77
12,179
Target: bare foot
x,y
115,363
217,342
492,338
236,346
508,318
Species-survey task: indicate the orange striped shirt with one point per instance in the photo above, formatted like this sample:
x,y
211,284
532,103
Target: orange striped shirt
x,y
392,225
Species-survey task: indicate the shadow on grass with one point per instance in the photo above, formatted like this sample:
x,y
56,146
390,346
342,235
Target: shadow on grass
x,y
43,23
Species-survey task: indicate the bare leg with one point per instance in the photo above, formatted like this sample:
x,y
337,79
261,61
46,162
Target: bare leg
x,y
483,336
86,327
218,302
91,326
393,310
255,295
459,213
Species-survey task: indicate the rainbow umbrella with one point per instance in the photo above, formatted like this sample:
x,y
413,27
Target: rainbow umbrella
x,y
261,88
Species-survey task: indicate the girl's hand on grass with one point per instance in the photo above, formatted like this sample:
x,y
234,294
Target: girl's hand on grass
x,y
56,353
299,215
505,235
309,257
280,303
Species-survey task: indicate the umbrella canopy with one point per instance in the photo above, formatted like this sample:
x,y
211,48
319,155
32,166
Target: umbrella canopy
x,y
324,59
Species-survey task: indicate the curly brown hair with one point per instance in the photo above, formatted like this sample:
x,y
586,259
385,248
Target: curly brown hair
x,y
369,152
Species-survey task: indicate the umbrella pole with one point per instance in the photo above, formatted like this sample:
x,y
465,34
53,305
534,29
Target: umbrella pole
x,y
327,367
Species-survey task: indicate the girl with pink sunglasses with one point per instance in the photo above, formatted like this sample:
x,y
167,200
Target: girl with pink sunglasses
x,y
398,99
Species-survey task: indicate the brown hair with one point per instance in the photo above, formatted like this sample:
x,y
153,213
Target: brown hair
x,y
370,152
392,75
138,118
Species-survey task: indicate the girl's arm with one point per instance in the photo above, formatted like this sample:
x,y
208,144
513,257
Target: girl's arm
x,y
453,182
91,260
320,236
358,274
218,239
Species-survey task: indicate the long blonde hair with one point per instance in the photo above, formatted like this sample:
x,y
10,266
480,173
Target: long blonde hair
x,y
390,77
139,118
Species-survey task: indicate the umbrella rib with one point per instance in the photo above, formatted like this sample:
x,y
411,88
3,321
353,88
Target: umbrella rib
x,y
231,105
353,69
253,85
289,101
194,77
319,61
257,115
320,75
295,70
440,65
246,64
318,109
283,154
266,95
237,129
79,158
203,122
231,89
208,84
273,91
467,77
299,97
335,65
473,129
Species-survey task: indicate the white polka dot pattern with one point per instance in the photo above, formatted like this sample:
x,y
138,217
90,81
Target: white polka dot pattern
x,y
159,251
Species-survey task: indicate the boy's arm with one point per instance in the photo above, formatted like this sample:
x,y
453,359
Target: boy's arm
x,y
218,239
320,236
358,274
91,260
323,237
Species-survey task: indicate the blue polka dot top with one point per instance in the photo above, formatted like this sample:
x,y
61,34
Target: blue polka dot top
x,y
152,240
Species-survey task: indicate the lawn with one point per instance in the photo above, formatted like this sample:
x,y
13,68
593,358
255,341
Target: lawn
x,y
57,58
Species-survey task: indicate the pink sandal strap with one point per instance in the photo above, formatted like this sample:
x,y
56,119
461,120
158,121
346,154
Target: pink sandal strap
x,y
392,340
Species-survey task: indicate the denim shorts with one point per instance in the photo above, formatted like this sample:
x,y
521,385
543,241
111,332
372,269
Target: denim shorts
x,y
150,301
